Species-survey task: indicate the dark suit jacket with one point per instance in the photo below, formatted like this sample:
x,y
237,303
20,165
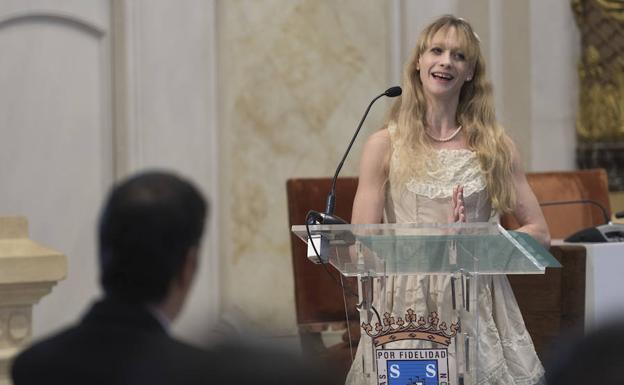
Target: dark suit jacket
x,y
115,343
122,344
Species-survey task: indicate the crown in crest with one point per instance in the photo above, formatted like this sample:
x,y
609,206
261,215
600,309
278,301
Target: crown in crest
x,y
411,328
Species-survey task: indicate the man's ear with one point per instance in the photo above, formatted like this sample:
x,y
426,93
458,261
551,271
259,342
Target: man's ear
x,y
187,273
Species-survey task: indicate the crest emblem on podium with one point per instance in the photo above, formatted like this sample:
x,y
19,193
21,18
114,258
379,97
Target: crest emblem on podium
x,y
412,366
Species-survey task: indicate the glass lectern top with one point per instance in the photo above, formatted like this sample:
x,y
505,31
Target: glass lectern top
x,y
410,248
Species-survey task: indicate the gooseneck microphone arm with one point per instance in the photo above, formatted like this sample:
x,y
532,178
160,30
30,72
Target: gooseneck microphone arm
x,y
314,217
605,214
607,232
331,197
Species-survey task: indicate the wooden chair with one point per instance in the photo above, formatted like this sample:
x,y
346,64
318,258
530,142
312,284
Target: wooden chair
x,y
554,303
319,300
550,303
564,220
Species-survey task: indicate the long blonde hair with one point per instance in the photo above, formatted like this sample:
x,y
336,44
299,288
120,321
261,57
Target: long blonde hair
x,y
475,112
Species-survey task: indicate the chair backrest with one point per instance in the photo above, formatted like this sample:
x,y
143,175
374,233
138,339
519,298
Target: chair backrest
x,y
554,303
564,220
318,296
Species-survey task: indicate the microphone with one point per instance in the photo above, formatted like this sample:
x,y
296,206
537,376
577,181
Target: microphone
x,y
607,232
328,216
317,244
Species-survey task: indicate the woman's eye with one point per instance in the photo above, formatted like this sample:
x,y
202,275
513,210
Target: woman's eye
x,y
436,50
460,56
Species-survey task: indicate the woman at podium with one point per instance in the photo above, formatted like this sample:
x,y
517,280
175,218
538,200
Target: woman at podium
x,y
442,157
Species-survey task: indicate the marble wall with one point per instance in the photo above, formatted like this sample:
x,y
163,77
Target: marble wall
x,y
295,77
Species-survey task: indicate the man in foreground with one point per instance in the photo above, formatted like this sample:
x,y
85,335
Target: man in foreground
x,y
149,234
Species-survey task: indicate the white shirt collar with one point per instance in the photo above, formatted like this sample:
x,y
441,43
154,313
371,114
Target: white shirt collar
x,y
160,316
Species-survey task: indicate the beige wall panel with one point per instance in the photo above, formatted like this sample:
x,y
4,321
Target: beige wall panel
x,y
55,152
555,52
165,67
295,77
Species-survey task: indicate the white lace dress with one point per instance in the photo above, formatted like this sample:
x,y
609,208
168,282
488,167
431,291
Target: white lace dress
x,y
507,355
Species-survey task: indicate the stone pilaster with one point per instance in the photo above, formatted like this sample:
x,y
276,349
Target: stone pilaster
x,y
28,271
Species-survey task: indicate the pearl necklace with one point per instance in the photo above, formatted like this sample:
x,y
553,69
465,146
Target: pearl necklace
x,y
448,138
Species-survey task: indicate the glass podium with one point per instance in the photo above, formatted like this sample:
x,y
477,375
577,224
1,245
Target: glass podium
x,y
419,288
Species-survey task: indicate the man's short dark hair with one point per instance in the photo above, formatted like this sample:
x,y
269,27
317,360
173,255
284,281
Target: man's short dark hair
x,y
148,225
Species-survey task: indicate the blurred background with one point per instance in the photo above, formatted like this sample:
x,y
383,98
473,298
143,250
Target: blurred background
x,y
238,95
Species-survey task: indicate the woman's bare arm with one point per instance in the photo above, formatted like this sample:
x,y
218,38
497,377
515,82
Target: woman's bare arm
x,y
369,199
527,211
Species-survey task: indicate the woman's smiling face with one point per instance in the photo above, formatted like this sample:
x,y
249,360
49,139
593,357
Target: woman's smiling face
x,y
444,66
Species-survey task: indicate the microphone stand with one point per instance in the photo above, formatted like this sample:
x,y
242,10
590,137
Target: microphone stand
x,y
328,216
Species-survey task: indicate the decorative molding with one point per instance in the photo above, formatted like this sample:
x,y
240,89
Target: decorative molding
x,y
128,151
24,293
213,232
600,121
19,326
69,18
411,327
29,273
101,33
